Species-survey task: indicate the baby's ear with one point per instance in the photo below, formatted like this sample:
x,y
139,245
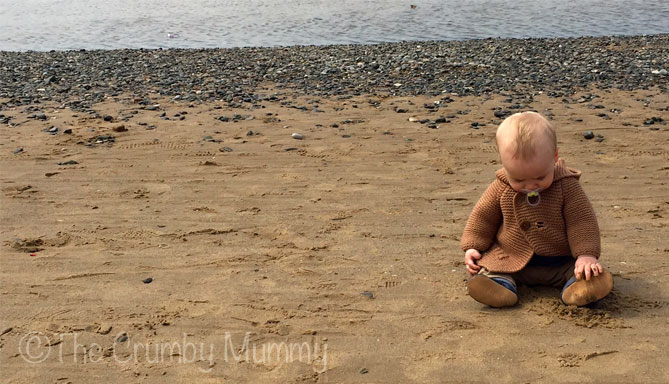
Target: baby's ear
x,y
556,155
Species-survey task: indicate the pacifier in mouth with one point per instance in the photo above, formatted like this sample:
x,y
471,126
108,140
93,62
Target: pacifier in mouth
x,y
533,197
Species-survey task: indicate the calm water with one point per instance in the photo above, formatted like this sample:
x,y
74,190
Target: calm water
x,y
90,24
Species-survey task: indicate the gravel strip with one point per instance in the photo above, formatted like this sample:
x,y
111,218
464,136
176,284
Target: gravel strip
x,y
558,67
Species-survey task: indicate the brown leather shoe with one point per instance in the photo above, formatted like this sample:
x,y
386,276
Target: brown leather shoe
x,y
582,292
490,292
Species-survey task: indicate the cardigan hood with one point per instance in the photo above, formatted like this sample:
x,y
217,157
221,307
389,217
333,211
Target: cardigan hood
x,y
560,171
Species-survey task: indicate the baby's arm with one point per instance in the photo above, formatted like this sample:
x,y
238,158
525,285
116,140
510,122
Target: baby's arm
x,y
582,230
482,225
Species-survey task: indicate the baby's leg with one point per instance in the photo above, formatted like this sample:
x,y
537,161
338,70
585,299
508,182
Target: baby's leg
x,y
493,289
583,292
537,273
574,292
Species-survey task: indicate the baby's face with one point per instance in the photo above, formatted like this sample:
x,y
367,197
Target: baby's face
x,y
532,174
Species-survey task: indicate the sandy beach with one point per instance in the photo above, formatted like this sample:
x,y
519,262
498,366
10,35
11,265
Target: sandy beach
x,y
343,242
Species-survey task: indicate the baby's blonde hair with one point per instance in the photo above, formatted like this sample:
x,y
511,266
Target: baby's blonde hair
x,y
528,126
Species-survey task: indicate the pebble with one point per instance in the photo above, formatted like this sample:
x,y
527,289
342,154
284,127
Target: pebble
x,y
122,338
101,140
108,118
653,120
290,149
363,371
297,136
18,150
68,131
502,113
69,162
226,149
147,280
588,135
367,294
104,328
120,128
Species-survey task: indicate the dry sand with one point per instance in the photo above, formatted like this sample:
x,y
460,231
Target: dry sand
x,y
280,244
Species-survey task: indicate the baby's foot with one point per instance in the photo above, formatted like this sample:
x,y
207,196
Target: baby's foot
x,y
582,292
495,292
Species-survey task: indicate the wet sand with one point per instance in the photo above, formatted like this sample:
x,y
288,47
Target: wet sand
x,y
346,240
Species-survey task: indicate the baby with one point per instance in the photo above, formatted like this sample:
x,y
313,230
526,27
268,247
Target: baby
x,y
534,224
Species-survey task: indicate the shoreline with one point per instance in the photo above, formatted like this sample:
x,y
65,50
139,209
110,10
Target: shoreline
x,y
558,67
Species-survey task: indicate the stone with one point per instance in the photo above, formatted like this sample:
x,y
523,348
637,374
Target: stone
x,y
588,135
104,328
653,120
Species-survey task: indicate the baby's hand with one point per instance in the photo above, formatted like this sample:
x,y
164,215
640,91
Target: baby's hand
x,y
470,260
588,266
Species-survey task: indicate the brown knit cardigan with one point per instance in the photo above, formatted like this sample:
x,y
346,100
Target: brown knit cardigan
x,y
508,231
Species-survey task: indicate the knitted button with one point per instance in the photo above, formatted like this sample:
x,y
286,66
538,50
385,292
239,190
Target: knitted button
x,y
525,225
